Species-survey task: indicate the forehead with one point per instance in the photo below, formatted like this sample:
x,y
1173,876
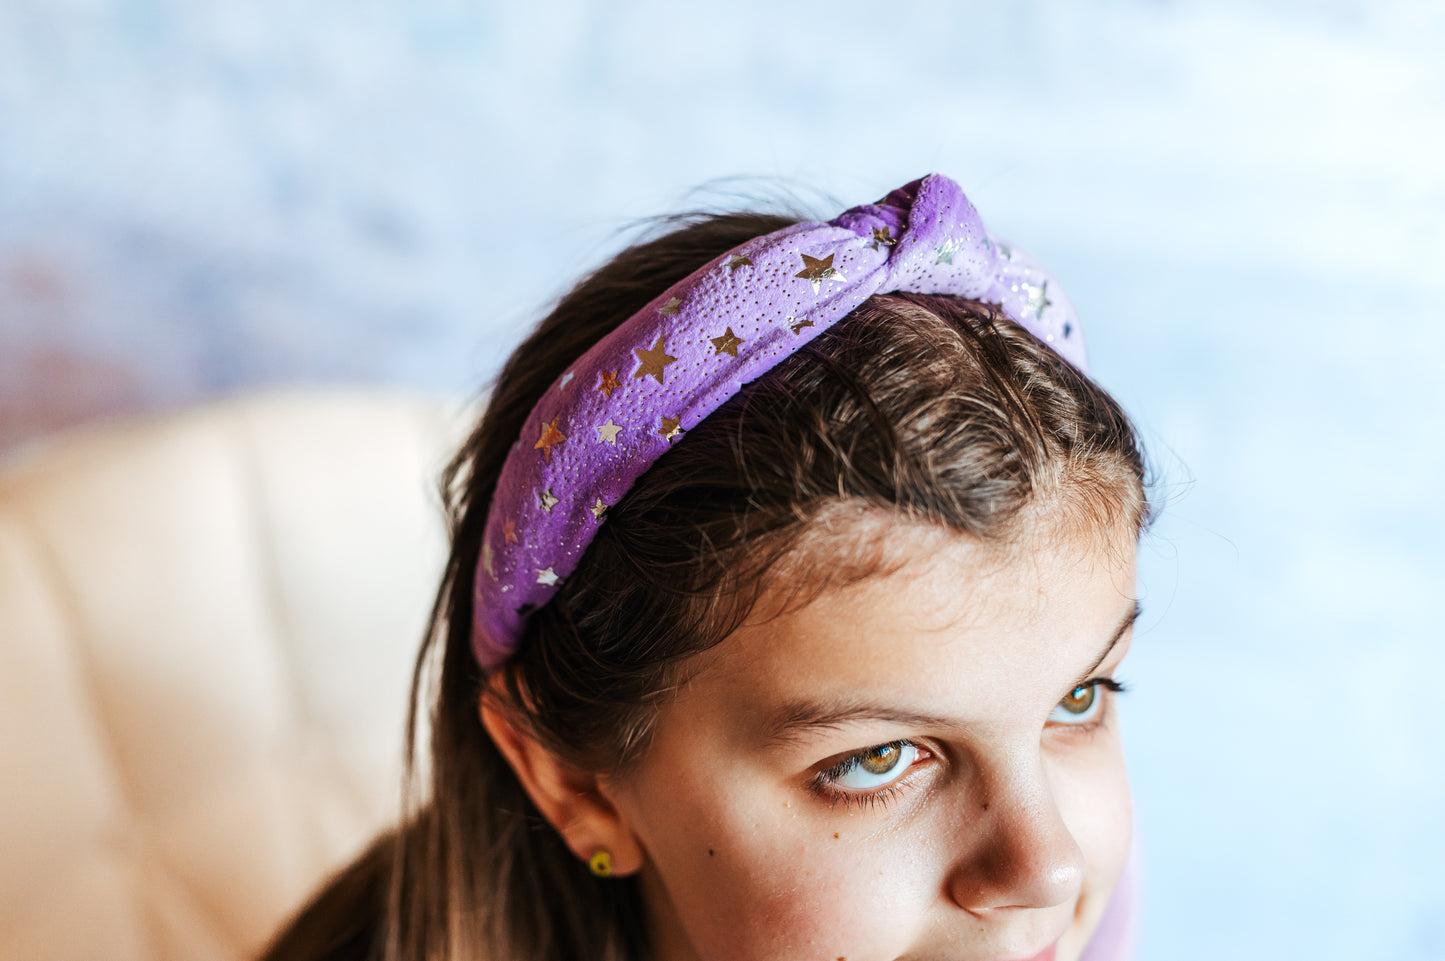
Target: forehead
x,y
954,625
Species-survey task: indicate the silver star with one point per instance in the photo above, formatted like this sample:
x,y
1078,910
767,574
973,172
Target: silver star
x,y
487,561
608,432
671,307
547,576
598,509
946,251
546,501
738,260
1038,297
565,377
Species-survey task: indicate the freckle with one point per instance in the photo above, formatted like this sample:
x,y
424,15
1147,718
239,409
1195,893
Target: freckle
x,y
835,834
985,805
710,852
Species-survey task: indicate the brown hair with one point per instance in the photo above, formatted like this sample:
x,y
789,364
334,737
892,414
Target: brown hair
x,y
933,409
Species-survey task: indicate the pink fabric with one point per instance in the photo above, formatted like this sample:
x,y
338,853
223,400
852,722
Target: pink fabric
x,y
1113,939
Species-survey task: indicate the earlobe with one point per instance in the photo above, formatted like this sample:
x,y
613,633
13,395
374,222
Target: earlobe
x,y
569,797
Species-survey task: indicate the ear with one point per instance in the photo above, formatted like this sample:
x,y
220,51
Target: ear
x,y
573,800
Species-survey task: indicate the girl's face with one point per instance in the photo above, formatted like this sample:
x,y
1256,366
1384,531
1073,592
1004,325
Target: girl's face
x,y
923,765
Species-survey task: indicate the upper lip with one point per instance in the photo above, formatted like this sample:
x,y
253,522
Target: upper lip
x,y
1047,954
1044,954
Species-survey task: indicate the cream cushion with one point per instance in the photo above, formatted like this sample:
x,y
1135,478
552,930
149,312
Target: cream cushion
x,y
207,622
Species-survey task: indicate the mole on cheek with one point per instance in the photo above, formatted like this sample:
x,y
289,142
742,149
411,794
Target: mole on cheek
x,y
710,852
835,835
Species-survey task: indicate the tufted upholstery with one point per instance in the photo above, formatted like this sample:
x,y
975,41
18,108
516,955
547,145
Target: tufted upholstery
x,y
206,628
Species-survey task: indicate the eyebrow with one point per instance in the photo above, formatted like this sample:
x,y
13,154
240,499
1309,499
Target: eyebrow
x,y
1119,633
796,719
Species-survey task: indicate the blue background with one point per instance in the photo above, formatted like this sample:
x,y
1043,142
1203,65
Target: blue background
x,y
1244,201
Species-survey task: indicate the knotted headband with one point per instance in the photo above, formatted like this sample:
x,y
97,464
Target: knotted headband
x,y
600,426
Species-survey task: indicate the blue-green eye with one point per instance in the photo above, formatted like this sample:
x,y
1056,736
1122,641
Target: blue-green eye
x,y
1083,703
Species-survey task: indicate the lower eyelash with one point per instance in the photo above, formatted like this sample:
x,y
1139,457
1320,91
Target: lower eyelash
x,y
835,796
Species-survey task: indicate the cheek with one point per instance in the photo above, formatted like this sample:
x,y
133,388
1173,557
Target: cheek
x,y
1094,801
754,873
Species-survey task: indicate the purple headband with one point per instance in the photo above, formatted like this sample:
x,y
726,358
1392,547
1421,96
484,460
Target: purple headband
x,y
619,407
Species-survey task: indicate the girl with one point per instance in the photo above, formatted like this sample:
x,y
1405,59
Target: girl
x,y
791,567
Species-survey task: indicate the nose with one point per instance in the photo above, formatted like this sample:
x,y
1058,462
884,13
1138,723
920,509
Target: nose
x,y
1023,855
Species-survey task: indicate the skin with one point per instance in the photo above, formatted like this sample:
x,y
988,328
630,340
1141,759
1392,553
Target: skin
x,y
1003,828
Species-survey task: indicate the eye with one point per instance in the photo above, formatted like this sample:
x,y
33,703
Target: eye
x,y
874,767
1083,703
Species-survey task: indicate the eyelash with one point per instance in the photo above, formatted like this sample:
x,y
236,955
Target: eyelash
x,y
1089,727
823,784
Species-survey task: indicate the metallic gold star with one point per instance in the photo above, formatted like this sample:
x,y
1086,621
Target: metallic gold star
x,y
882,235
738,260
946,251
487,560
546,500
727,343
671,427
653,361
1038,297
671,307
608,432
547,576
550,438
609,383
509,531
798,325
817,271
598,509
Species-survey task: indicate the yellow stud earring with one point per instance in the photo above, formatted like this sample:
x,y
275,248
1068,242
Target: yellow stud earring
x,y
601,863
